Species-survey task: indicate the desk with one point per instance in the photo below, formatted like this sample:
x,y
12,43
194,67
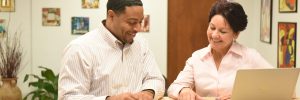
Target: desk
x,y
206,98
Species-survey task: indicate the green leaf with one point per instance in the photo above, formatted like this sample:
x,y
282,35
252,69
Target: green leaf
x,y
28,75
39,84
49,87
46,85
48,74
36,95
26,78
55,83
55,96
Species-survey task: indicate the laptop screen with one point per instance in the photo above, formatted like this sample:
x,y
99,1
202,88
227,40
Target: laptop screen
x,y
265,84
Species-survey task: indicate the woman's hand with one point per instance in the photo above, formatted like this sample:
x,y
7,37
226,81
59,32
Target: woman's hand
x,y
225,97
188,94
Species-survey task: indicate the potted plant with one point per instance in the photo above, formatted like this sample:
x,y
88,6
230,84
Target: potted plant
x,y
10,61
47,85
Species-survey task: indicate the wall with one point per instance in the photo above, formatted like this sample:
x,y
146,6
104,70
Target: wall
x,y
20,21
43,45
49,41
251,36
157,37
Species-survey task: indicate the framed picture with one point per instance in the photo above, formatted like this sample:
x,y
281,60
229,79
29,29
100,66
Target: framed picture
x,y
80,25
90,3
7,5
145,24
287,44
266,21
51,16
2,28
287,6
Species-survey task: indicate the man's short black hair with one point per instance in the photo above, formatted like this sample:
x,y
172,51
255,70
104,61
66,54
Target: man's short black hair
x,y
118,6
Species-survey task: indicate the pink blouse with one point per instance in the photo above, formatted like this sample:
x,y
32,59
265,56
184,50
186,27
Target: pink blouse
x,y
200,71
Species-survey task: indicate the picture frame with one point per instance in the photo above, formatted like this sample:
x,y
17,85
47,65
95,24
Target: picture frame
x,y
266,21
286,44
7,5
145,25
51,16
287,6
80,25
90,4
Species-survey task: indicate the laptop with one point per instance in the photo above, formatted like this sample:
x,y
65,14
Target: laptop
x,y
265,84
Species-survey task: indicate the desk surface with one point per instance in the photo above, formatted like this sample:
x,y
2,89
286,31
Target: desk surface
x,y
205,98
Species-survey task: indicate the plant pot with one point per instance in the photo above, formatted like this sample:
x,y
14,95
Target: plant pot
x,y
9,89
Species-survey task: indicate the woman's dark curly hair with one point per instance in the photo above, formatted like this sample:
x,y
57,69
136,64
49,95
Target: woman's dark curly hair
x,y
233,12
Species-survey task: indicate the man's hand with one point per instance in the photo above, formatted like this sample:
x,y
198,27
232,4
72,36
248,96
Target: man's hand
x,y
123,96
144,95
188,94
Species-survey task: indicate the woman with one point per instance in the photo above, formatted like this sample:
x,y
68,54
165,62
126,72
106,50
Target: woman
x,y
211,71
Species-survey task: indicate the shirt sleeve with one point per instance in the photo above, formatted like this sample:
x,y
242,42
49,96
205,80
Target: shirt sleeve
x,y
184,79
154,79
75,75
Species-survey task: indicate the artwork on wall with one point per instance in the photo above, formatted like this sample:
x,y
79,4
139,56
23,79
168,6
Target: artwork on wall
x,y
51,16
286,44
7,5
266,21
90,3
2,28
287,6
80,25
145,26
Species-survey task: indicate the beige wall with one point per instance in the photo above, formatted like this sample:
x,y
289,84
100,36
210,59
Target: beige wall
x,y
44,45
50,41
250,37
20,21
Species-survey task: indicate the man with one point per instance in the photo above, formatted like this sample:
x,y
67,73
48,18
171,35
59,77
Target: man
x,y
111,62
